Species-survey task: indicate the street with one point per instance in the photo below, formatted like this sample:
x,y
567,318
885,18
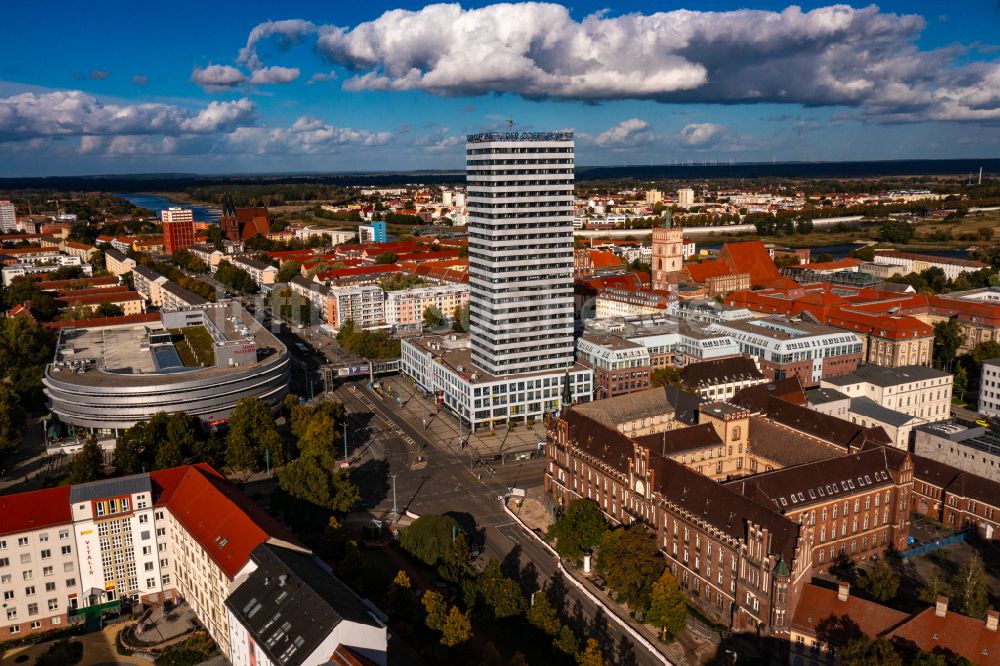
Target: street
x,y
442,483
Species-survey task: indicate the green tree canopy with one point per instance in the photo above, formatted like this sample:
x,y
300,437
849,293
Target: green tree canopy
x,y
667,608
288,270
11,422
579,529
631,562
895,231
432,316
881,582
435,610
387,258
543,616
665,377
456,629
252,432
499,592
87,464
591,654
428,537
969,589
870,652
948,338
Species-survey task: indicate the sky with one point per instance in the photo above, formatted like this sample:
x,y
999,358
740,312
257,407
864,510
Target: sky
x,y
255,87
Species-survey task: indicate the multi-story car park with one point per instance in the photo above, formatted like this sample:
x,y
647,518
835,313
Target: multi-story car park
x,y
109,378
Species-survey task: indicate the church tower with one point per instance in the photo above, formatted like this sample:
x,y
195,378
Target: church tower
x,y
668,241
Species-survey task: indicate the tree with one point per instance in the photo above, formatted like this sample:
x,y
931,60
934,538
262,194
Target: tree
x,y
985,233
455,562
87,464
23,289
786,260
456,629
804,226
252,433
288,270
969,589
667,608
960,382
432,316
108,310
870,652
460,318
866,253
499,592
631,562
401,598
895,231
11,420
387,258
932,587
428,537
566,642
435,609
948,338
543,616
881,582
591,655
824,257
579,529
215,236
665,377
317,479
985,351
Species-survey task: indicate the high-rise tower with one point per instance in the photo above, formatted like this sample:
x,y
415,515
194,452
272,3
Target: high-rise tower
x,y
668,242
520,204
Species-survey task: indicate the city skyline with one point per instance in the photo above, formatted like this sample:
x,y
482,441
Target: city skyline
x,y
391,87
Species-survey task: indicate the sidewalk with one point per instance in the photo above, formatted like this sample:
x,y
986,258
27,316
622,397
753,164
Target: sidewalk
x,y
443,427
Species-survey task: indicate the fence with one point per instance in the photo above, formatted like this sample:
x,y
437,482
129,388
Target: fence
x,y
936,545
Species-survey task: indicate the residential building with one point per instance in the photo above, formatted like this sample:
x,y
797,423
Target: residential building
x,y
829,401
521,251
83,250
208,254
333,236
365,306
175,297
720,379
785,346
915,390
685,197
898,425
178,229
116,262
131,302
149,283
620,366
372,233
917,263
18,268
653,197
8,217
263,275
989,388
631,303
405,308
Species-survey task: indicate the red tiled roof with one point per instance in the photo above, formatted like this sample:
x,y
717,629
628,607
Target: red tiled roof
x,y
601,259
91,282
226,523
962,635
819,604
34,510
930,258
427,256
700,272
79,246
751,257
374,269
88,291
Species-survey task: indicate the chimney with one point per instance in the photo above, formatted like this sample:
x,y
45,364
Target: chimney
x,y
941,606
843,591
992,618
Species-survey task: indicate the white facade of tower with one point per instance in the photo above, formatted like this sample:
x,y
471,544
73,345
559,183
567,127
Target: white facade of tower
x,y
520,205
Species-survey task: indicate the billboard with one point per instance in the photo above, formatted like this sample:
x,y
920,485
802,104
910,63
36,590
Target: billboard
x,y
353,371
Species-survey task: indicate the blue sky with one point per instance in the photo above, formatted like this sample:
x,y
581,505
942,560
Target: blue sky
x,y
329,86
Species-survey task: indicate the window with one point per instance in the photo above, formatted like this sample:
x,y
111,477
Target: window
x,y
36,624
145,535
71,582
47,571
4,562
150,582
22,541
166,579
46,554
8,595
63,534
146,550
143,519
66,550
148,566
32,609
29,591
50,587
56,620
28,574
44,536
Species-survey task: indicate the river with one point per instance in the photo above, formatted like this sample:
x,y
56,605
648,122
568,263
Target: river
x,y
157,203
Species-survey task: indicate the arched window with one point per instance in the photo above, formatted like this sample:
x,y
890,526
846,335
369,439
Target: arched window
x,y
736,433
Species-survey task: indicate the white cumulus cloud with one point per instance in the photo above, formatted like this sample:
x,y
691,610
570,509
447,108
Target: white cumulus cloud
x,y
306,135
699,134
631,132
218,77
830,56
275,74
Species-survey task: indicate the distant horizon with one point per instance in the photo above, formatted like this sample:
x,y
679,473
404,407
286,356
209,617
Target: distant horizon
x,y
689,164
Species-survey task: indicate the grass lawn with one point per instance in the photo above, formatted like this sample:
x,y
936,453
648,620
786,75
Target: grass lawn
x,y
194,346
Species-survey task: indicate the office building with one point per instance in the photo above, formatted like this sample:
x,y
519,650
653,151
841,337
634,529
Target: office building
x,y
8,217
913,389
178,229
520,187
